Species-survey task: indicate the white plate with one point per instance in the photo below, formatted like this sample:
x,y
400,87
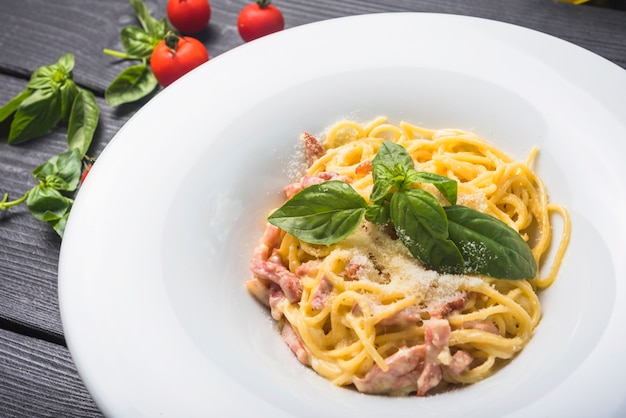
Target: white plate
x,y
156,252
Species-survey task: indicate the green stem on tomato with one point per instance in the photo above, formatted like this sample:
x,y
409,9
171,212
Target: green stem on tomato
x,y
263,3
171,41
5,204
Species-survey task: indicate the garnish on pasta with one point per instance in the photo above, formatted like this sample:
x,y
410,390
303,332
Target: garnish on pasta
x,y
406,260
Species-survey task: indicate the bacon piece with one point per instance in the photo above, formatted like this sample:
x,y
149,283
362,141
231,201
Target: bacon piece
x,y
450,306
484,325
312,148
295,344
459,362
275,298
400,379
321,293
309,268
415,314
436,339
275,272
363,168
271,239
308,180
354,267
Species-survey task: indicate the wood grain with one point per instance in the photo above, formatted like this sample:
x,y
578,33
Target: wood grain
x,y
39,379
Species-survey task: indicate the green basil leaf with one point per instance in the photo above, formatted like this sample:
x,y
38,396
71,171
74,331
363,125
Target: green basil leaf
x,y
489,246
59,224
378,213
323,213
446,186
132,84
9,108
61,172
68,91
151,25
137,42
83,121
47,204
384,182
392,155
66,63
422,226
44,78
38,113
54,75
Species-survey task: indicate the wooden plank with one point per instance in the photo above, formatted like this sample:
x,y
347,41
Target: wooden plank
x,y
38,32
39,379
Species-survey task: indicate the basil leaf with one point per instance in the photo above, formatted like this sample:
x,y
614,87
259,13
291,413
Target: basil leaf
x,y
323,213
9,108
392,155
489,246
378,214
47,204
61,172
69,90
151,25
66,63
384,182
37,114
132,84
83,122
446,186
137,42
54,75
422,226
43,77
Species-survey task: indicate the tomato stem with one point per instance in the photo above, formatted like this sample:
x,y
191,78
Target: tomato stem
x,y
171,41
263,3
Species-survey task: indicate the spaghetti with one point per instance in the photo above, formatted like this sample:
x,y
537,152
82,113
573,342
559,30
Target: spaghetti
x,y
364,313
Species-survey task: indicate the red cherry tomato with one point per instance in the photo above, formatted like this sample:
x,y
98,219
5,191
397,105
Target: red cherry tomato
x,y
189,16
259,19
175,56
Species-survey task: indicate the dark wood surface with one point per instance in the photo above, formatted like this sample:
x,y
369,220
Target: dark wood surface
x,y
37,375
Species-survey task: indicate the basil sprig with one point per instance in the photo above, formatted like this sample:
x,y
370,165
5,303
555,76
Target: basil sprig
x,y
136,81
449,239
50,97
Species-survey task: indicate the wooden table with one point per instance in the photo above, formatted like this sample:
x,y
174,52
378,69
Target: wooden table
x,y
37,375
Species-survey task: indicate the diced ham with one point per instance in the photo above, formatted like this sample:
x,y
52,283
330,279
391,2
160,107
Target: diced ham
x,y
399,379
308,180
436,339
274,271
459,362
295,344
450,306
406,316
414,314
363,168
275,298
321,294
354,267
483,325
271,239
309,268
312,148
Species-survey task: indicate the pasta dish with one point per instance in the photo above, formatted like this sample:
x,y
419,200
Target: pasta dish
x,y
391,309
